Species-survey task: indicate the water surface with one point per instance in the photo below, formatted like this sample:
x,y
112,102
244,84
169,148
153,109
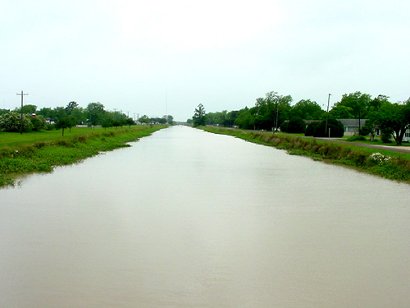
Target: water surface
x,y
185,218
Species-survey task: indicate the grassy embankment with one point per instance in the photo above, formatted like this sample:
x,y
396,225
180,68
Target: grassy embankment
x,y
390,164
42,151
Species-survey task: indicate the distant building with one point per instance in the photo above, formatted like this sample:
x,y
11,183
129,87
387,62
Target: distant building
x,y
351,126
407,135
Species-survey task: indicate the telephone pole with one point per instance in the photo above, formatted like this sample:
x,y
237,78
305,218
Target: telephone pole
x,y
327,115
22,94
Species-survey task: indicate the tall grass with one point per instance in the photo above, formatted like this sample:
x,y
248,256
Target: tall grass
x,y
43,151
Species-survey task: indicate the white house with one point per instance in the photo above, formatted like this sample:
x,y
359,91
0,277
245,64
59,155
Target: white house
x,y
351,126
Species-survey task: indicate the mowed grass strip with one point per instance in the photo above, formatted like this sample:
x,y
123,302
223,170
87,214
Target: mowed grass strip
x,y
42,151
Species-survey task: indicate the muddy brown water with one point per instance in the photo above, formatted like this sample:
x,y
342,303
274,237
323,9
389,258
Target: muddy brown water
x,y
185,218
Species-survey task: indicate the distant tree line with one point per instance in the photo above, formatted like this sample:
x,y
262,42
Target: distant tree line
x,y
274,112
29,118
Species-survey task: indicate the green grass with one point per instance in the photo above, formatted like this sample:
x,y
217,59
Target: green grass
x,y
342,153
376,141
42,151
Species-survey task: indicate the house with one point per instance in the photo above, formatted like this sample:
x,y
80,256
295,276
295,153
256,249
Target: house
x,y
351,126
406,137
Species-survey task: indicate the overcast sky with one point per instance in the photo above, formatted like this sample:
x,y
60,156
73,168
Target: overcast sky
x,y
156,57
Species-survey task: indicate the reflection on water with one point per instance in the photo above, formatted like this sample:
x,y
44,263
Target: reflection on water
x,y
185,219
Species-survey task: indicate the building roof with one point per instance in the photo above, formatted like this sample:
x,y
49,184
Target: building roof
x,y
353,122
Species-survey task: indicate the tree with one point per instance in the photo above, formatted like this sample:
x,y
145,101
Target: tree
x,y
199,116
144,119
246,118
95,113
62,119
394,118
27,109
169,119
272,110
38,122
354,105
4,111
48,113
307,110
70,111
341,112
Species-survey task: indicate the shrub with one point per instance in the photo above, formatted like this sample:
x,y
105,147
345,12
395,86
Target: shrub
x,y
311,128
38,122
356,138
11,122
386,135
335,128
379,158
318,129
294,125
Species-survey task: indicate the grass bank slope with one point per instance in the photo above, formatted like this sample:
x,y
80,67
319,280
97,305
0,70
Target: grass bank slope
x,y
42,151
384,163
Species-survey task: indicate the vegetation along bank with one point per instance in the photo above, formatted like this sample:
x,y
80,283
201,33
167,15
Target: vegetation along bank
x,y
384,163
22,154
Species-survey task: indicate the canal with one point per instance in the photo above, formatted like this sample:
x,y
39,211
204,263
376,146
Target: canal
x,y
185,218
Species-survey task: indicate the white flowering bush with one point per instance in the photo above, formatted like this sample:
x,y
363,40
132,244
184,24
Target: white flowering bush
x,y
379,158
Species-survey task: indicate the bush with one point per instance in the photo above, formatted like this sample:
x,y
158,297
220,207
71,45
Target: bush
x,y
311,128
38,122
386,135
318,129
295,125
335,128
11,122
356,138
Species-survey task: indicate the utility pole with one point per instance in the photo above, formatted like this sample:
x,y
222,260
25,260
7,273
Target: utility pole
x,y
22,94
327,114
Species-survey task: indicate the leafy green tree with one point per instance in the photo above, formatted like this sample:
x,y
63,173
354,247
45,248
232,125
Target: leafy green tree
x,y
95,113
144,119
377,102
272,110
341,112
62,119
3,111
27,109
394,118
71,113
47,113
223,118
246,118
199,116
354,105
170,119
215,118
307,110
230,118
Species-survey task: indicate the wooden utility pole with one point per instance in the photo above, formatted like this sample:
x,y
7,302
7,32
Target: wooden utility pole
x,y
327,115
21,110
